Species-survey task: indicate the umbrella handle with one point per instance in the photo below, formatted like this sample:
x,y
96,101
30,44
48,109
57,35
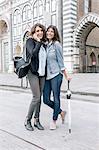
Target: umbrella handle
x,y
68,84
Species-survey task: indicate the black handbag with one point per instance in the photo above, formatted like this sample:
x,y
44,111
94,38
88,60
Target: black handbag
x,y
21,66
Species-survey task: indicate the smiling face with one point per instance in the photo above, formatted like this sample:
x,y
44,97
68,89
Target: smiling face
x,y
50,34
39,32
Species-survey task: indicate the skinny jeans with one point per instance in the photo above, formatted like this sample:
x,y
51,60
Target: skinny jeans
x,y
53,85
36,85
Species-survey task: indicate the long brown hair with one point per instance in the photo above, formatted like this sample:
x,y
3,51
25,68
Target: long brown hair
x,y
56,33
42,27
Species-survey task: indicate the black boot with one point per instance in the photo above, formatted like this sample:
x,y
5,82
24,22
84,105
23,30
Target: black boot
x,y
28,125
38,125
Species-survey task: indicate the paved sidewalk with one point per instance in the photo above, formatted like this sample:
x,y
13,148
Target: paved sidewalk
x,y
13,135
84,117
81,83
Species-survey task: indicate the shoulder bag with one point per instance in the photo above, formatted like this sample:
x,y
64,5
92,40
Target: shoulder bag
x,y
21,66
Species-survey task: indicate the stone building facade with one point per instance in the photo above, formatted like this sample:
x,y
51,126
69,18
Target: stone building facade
x,y
77,22
86,41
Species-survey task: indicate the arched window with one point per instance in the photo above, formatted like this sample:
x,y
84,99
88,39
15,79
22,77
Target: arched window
x,y
98,60
35,14
40,8
45,14
38,11
51,7
93,58
26,13
17,17
47,5
17,22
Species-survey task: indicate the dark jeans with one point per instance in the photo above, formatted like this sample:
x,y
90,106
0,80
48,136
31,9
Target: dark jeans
x,y
53,85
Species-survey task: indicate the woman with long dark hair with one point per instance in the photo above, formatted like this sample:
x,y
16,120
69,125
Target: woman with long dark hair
x,y
55,71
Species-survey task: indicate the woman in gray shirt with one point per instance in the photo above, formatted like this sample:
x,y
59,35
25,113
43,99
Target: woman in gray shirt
x,y
55,70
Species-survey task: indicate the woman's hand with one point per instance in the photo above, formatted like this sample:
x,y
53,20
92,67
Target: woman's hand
x,y
36,37
68,78
66,75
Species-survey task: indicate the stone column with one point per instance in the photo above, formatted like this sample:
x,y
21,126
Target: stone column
x,y
60,16
11,64
11,67
69,21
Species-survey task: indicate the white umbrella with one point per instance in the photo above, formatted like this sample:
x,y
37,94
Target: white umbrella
x,y
68,95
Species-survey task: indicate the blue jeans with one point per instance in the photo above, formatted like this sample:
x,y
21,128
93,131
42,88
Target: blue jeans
x,y
53,85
